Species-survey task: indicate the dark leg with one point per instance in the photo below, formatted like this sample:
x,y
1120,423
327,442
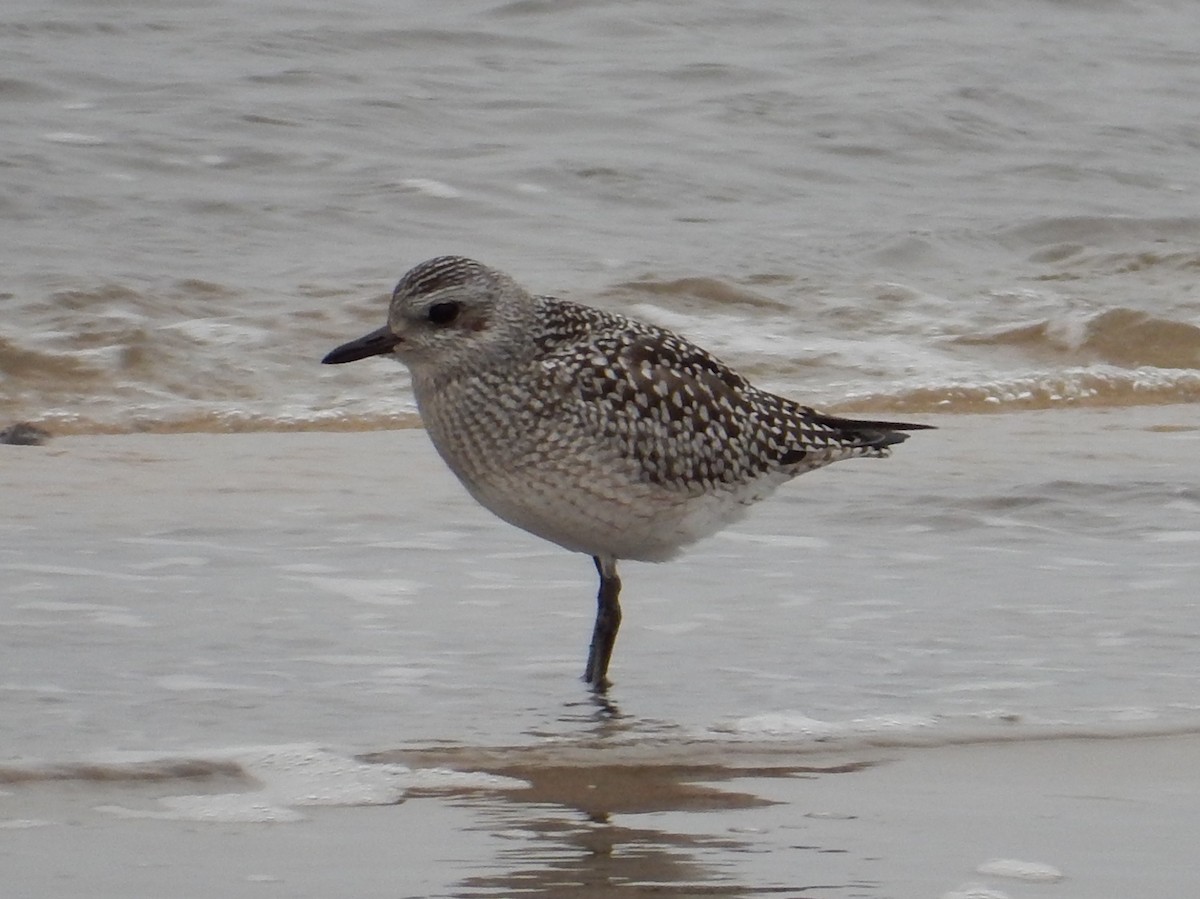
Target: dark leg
x,y
608,620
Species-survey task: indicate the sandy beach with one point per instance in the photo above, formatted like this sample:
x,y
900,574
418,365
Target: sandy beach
x,y
307,664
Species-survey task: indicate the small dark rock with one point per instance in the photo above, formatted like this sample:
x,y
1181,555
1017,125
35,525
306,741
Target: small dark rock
x,y
24,434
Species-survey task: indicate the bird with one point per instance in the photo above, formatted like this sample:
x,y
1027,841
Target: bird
x,y
603,434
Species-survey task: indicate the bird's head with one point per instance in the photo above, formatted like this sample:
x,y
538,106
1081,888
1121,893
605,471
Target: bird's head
x,y
445,312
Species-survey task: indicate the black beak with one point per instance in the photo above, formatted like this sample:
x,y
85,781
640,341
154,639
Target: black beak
x,y
377,343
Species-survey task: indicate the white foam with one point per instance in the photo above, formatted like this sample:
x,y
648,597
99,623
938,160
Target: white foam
x,y
1031,872
292,778
974,891
306,775
796,724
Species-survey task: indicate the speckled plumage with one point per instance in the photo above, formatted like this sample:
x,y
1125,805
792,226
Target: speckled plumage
x,y
600,433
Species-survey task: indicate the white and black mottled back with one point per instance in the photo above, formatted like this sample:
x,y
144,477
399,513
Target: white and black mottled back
x,y
592,430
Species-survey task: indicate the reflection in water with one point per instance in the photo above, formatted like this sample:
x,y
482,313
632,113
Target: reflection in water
x,y
571,827
599,710
598,859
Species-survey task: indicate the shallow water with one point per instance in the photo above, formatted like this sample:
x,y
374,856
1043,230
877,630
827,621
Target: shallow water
x,y
912,205
343,590
309,662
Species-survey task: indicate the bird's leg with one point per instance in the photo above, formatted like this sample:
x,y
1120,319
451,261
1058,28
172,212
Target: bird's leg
x,y
608,620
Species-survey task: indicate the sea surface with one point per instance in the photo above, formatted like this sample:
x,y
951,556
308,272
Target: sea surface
x,y
985,215
905,205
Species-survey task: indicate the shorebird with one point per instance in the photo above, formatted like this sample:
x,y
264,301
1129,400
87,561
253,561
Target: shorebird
x,y
603,434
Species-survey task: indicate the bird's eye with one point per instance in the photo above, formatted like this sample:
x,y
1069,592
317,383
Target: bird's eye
x,y
443,313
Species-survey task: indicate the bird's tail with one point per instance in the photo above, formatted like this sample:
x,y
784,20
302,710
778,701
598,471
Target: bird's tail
x,y
869,434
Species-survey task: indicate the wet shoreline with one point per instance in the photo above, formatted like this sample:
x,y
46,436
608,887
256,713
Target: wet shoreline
x,y
1059,817
310,660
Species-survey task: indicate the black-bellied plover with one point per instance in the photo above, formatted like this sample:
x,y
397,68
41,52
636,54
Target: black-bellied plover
x,y
602,434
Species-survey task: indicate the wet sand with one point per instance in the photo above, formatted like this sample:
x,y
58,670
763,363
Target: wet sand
x,y
192,597
1057,818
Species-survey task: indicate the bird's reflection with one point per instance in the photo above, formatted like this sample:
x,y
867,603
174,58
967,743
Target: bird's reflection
x,y
607,807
